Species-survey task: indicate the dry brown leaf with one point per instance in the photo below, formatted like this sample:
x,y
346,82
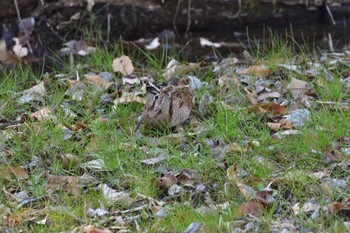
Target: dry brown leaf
x,y
233,176
67,160
258,71
186,177
79,126
10,172
252,207
265,196
251,96
92,229
42,114
112,196
338,207
129,98
267,95
98,81
155,160
165,182
274,126
297,87
178,69
123,65
271,107
64,183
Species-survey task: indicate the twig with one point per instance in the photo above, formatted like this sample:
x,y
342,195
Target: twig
x,y
188,17
239,9
330,43
108,26
330,13
21,23
175,16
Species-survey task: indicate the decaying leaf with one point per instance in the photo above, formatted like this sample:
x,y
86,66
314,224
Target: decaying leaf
x,y
282,134
19,49
205,42
67,160
98,81
186,177
43,114
297,87
259,71
192,228
252,207
165,182
245,190
112,196
155,160
270,107
12,173
129,98
123,64
35,93
97,164
267,95
76,46
153,44
93,229
251,96
67,183
176,68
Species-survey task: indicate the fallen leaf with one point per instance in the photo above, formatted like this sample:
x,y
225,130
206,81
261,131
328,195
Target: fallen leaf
x,y
175,68
297,87
153,44
274,126
339,208
155,160
92,229
97,165
268,95
186,177
98,81
246,191
10,172
265,196
165,182
205,42
63,183
90,4
252,207
67,160
112,196
271,107
192,228
34,93
18,49
129,98
259,71
43,114
251,96
123,65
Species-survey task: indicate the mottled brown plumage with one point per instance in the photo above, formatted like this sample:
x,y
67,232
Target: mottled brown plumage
x,y
171,107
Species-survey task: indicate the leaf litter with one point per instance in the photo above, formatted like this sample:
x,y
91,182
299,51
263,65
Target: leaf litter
x,y
285,104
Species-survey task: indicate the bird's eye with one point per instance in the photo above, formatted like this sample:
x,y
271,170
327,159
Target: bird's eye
x,y
156,97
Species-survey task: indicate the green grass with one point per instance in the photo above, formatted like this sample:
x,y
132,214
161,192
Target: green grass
x,y
290,159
